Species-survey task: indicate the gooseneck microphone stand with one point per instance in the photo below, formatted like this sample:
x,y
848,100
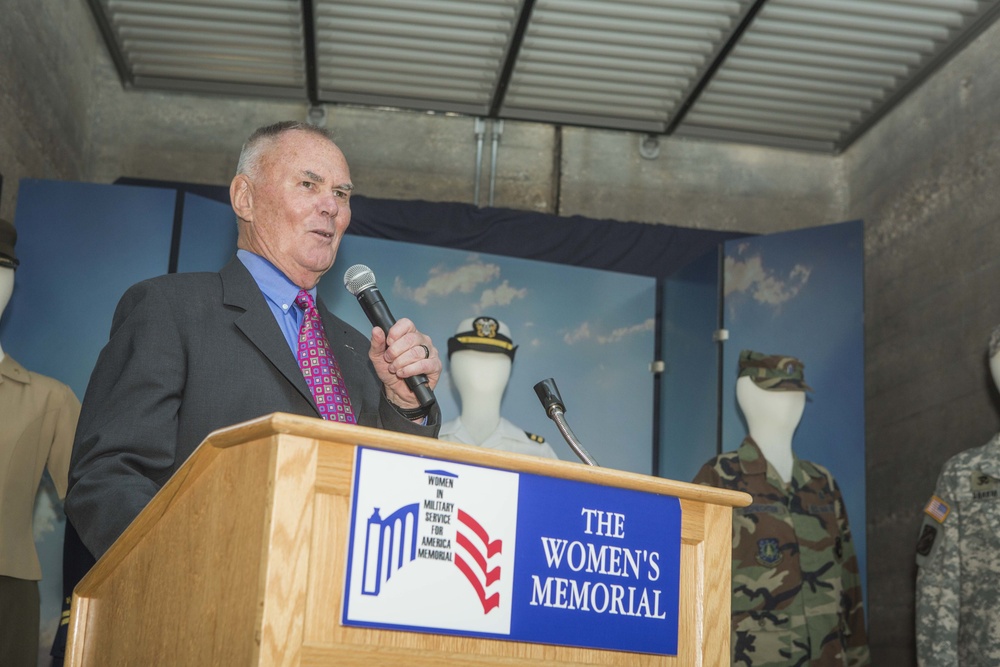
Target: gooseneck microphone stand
x,y
548,394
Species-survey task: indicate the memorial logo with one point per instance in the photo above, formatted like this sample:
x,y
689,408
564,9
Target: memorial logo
x,y
422,530
433,544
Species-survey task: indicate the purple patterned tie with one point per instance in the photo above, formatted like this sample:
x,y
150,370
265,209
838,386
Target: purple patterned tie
x,y
319,367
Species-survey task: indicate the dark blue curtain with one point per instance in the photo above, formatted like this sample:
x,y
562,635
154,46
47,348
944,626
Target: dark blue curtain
x,y
628,247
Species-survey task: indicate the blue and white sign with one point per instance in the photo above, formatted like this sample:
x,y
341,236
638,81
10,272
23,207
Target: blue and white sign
x,y
438,546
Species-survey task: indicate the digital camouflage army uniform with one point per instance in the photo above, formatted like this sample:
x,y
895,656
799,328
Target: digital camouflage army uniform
x,y
796,588
958,558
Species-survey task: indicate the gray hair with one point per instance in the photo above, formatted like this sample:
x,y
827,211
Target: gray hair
x,y
262,138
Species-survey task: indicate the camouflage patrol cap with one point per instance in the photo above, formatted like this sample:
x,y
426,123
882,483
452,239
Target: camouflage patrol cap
x,y
8,237
484,334
773,371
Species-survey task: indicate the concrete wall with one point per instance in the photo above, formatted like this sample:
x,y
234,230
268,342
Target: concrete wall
x,y
47,56
924,180
698,184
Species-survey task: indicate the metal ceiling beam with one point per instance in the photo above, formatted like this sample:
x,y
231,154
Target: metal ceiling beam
x,y
513,50
309,51
114,49
706,77
797,56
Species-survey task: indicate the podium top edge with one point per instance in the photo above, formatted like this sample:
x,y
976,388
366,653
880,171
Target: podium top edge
x,y
279,423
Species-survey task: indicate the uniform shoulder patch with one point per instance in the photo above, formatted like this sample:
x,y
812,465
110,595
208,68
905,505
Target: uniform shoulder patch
x,y
926,540
535,438
937,509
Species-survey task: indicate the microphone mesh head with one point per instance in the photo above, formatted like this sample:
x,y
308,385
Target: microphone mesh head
x,y
357,278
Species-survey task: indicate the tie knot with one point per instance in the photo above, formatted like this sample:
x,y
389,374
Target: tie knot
x,y
304,300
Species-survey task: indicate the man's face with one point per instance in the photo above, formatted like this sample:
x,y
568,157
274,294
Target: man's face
x,y
299,206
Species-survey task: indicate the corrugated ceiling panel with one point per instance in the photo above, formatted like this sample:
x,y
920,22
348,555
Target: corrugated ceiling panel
x,y
250,46
808,73
613,63
444,55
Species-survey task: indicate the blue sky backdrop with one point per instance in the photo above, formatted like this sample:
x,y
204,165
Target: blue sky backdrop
x,y
801,294
592,331
81,245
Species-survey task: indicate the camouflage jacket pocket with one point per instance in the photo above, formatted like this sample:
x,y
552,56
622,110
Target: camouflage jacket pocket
x,y
762,639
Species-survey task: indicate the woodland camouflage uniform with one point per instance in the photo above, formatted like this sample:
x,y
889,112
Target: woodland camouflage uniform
x,y
796,588
958,558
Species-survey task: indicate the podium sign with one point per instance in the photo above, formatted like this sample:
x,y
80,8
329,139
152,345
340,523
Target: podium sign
x,y
360,547
443,547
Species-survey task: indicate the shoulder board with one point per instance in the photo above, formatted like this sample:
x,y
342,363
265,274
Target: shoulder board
x,y
536,438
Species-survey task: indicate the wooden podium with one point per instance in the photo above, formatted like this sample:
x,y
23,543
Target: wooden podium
x,y
239,560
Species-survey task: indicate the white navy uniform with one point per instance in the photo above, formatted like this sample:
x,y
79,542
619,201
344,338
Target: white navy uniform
x,y
507,438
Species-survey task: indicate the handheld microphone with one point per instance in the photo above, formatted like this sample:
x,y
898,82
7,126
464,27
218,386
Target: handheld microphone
x,y
360,281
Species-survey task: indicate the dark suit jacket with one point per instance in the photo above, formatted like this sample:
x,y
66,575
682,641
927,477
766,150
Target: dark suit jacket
x,y
190,353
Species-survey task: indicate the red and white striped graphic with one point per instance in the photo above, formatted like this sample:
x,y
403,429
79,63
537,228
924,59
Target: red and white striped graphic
x,y
474,556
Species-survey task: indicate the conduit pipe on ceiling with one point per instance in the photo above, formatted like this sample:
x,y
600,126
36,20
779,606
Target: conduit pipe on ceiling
x,y
480,131
497,131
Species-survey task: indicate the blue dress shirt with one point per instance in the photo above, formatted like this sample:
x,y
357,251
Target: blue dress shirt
x,y
279,292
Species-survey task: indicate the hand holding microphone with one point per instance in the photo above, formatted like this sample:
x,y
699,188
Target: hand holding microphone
x,y
360,281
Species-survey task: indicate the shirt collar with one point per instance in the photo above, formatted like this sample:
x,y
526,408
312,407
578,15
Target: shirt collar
x,y
10,369
752,462
275,286
991,462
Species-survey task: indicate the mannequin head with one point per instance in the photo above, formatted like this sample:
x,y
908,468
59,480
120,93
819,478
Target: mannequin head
x,y
480,356
771,392
6,287
8,262
481,375
769,411
994,351
8,239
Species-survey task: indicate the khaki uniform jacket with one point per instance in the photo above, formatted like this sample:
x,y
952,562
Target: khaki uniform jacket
x,y
38,417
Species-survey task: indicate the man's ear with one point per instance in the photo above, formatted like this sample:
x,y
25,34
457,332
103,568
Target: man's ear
x,y
241,197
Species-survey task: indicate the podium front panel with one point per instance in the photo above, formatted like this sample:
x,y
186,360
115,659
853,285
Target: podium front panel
x,y
242,559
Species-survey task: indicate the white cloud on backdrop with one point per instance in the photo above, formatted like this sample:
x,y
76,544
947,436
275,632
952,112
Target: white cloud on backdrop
x,y
466,279
47,510
583,332
502,295
625,332
750,276
442,282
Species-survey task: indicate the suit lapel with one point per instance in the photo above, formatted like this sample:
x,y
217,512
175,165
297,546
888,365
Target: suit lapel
x,y
257,323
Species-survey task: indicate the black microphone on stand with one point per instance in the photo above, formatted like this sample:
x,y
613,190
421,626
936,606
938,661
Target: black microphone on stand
x,y
548,394
360,281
